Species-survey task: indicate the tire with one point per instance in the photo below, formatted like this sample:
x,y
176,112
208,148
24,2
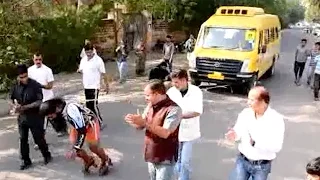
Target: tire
x,y
249,85
195,82
270,71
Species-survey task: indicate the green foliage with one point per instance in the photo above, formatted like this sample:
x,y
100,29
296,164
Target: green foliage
x,y
61,37
58,32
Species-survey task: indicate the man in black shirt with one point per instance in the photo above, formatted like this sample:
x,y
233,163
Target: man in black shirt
x,y
26,96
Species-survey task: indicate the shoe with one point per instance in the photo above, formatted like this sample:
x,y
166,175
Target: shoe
x,y
47,159
36,147
25,165
308,83
86,168
104,170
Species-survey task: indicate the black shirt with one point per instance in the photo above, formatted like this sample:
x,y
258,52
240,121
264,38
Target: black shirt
x,y
30,96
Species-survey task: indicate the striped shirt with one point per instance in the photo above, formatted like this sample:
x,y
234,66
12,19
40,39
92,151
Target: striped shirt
x,y
313,54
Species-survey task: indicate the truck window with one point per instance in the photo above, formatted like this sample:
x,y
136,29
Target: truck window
x,y
228,38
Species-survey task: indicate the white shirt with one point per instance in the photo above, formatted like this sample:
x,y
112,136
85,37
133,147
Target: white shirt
x,y
91,71
191,102
42,75
267,132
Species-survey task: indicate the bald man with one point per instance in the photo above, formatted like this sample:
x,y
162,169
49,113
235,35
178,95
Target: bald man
x,y
260,131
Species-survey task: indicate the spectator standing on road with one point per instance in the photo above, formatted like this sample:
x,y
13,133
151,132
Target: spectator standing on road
x,y
168,51
141,52
93,71
316,78
260,131
43,75
301,55
161,123
122,63
312,64
190,99
26,96
313,169
189,45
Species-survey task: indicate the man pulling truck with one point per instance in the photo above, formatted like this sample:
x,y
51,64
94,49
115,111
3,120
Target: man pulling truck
x,y
85,127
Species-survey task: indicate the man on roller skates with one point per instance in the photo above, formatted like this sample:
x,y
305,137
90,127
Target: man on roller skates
x,y
85,127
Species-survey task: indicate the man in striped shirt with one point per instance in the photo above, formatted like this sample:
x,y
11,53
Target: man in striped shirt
x,y
312,64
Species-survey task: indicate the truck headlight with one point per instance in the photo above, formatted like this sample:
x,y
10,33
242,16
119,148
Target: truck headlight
x,y
191,57
245,66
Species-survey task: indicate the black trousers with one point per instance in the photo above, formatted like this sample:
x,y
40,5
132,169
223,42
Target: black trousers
x,y
38,135
92,102
298,69
316,85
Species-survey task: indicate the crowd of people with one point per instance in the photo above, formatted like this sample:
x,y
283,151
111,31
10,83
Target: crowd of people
x,y
171,119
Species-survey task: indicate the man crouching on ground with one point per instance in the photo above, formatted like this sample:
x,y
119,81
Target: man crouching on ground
x,y
161,122
85,127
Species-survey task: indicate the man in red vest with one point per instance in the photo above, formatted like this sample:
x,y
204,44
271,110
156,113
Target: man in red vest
x,y
161,122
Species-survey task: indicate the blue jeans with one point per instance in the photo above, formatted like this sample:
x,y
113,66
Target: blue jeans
x,y
183,166
161,171
245,170
123,70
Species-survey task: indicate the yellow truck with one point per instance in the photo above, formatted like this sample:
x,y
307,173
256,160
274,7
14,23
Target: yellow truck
x,y
236,47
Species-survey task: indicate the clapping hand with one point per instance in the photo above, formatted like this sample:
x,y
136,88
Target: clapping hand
x,y
135,120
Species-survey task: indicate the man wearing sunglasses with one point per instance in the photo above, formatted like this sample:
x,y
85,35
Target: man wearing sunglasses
x,y
26,96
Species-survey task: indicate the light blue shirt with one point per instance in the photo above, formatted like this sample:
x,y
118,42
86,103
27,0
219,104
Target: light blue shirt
x,y
317,60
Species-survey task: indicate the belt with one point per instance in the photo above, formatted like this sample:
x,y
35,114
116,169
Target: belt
x,y
257,162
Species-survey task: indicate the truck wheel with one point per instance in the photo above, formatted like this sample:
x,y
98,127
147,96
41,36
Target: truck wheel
x,y
195,82
270,71
249,85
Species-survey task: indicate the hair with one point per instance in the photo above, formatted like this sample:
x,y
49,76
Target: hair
x,y
21,69
313,167
169,36
180,74
50,106
264,94
317,43
37,54
88,47
157,86
304,40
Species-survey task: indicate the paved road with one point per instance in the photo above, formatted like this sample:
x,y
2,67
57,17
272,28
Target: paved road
x,y
213,157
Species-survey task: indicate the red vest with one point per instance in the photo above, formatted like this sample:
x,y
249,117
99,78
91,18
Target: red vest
x,y
158,149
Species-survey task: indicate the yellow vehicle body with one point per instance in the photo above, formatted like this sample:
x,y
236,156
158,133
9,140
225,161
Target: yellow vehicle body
x,y
236,46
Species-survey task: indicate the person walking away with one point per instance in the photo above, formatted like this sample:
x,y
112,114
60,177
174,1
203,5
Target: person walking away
x,y
257,146
313,169
190,99
168,50
122,63
189,45
312,64
142,57
301,56
26,96
43,75
93,69
316,78
85,128
161,123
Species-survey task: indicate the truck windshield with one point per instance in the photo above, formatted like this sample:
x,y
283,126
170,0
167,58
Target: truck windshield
x,y
228,38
